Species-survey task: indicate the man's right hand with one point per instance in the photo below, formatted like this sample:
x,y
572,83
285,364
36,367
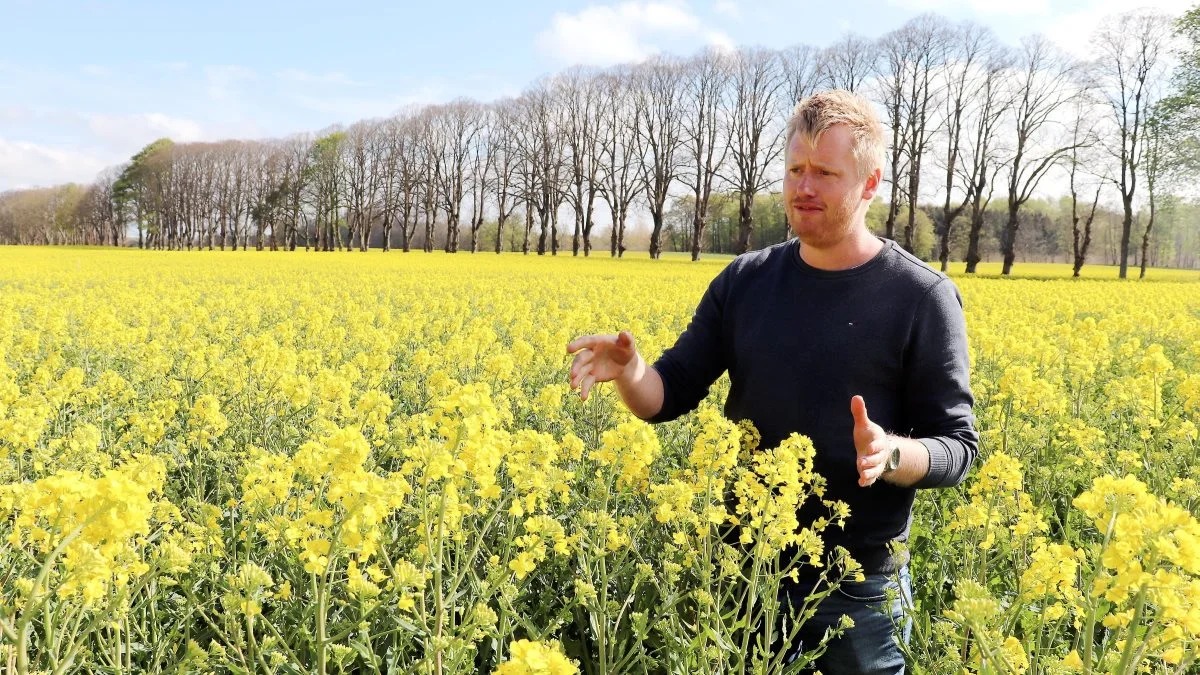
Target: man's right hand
x,y
601,358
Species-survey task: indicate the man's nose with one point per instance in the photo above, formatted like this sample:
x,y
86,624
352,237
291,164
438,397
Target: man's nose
x,y
804,183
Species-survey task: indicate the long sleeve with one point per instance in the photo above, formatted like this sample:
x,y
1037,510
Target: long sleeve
x,y
937,388
697,358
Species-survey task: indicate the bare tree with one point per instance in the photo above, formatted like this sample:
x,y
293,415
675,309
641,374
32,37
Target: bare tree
x,y
543,143
296,173
410,168
481,173
1130,60
658,102
706,79
926,37
390,150
618,162
582,99
892,74
1045,83
1154,165
1084,139
762,83
457,125
525,145
505,164
847,63
983,160
800,67
971,45
95,216
429,152
363,158
240,193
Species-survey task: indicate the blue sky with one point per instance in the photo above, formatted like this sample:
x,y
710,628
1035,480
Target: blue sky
x,y
83,85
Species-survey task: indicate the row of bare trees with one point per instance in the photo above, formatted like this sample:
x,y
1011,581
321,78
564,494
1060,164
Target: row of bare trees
x,y
964,114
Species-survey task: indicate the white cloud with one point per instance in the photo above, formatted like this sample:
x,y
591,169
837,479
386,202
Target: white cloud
x,y
350,109
721,41
1073,31
222,80
96,70
24,164
727,8
134,131
983,7
304,77
604,35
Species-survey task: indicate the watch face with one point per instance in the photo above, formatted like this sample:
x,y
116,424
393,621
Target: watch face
x,y
893,460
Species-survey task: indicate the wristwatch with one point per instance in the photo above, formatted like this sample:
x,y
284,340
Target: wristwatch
x,y
893,458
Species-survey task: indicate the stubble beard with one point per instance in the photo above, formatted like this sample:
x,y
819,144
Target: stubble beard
x,y
837,226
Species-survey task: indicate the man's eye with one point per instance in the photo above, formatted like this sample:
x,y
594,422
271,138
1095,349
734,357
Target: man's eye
x,y
826,173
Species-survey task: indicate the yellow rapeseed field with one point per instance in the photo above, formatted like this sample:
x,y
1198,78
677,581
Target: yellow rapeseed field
x,y
286,463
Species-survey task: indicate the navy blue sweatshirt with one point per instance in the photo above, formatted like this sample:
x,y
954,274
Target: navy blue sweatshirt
x,y
799,342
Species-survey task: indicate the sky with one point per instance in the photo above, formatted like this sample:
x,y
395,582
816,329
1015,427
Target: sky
x,y
84,85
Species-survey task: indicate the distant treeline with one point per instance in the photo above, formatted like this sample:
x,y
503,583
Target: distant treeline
x,y
695,146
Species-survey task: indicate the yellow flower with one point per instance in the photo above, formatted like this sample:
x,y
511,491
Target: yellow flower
x,y
536,658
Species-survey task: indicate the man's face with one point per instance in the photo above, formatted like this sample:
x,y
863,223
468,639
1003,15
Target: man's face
x,y
823,187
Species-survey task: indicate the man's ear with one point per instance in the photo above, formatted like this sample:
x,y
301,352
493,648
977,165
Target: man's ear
x,y
874,180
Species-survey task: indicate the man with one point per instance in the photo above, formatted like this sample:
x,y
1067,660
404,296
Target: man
x,y
812,331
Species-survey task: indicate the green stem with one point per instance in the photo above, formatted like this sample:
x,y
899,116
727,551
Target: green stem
x,y
1090,624
1127,651
24,625
319,592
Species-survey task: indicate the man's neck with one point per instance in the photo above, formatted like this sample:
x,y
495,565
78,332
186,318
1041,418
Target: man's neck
x,y
858,247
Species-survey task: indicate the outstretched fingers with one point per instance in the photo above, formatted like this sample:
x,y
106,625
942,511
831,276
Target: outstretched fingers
x,y
578,374
583,358
583,342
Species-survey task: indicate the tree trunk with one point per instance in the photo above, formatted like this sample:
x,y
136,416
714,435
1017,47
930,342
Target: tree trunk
x,y
1146,239
944,243
656,217
544,222
910,227
1126,229
578,230
554,231
1081,245
745,222
1009,241
528,229
973,241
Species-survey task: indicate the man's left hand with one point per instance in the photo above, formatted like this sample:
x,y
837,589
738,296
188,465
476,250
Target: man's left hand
x,y
870,441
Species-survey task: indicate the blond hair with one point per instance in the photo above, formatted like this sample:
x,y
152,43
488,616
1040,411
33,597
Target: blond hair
x,y
817,113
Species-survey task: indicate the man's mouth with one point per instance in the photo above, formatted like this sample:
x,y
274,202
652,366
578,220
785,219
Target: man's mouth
x,y
806,207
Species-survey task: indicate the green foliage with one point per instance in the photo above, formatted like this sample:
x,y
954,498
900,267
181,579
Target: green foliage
x,y
1180,113
134,190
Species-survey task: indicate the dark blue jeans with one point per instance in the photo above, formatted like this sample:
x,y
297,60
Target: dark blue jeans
x,y
871,646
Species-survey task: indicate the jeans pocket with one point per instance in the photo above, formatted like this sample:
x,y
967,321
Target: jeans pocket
x,y
874,588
